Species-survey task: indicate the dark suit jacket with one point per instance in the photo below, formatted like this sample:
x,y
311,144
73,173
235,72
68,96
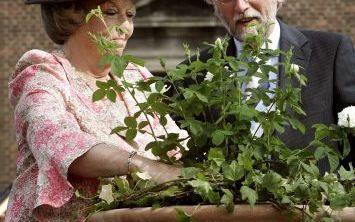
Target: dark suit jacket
x,y
328,62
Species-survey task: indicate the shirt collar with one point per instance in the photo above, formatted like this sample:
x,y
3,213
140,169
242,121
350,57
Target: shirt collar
x,y
274,39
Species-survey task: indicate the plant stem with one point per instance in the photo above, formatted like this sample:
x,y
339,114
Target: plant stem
x,y
144,113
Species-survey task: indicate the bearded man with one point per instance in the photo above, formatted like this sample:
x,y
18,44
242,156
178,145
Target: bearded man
x,y
326,59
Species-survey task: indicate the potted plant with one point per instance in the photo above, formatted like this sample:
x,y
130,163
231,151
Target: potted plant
x,y
233,154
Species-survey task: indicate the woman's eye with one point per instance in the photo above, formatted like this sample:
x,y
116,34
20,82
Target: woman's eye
x,y
110,12
131,14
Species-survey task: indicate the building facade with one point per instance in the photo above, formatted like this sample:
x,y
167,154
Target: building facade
x,y
162,26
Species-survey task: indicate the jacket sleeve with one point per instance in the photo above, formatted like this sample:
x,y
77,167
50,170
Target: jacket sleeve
x,y
345,84
46,127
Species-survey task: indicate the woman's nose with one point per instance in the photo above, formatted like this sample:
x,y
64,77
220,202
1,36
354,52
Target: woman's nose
x,y
125,25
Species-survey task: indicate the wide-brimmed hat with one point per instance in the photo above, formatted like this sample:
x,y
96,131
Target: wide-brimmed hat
x,y
27,2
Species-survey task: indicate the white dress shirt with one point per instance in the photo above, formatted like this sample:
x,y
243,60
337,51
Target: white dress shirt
x,y
274,44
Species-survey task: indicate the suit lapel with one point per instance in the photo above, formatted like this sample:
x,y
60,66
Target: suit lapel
x,y
293,39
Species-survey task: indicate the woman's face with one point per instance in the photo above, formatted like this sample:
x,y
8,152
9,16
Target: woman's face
x,y
116,13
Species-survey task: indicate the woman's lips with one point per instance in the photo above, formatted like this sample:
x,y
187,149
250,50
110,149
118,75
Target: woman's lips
x,y
120,41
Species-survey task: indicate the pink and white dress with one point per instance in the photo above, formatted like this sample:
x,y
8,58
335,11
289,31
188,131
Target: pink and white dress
x,y
57,122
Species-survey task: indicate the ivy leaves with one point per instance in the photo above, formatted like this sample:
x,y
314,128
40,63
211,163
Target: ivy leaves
x,y
223,162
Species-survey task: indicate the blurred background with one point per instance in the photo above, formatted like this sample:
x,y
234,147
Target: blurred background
x,y
161,27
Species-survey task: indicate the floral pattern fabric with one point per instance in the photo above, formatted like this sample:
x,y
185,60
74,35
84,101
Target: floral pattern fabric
x,y
56,122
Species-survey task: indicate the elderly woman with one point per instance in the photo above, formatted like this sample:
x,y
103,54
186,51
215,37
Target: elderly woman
x,y
63,137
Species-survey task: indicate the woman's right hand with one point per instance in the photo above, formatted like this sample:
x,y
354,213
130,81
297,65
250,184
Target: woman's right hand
x,y
160,172
107,161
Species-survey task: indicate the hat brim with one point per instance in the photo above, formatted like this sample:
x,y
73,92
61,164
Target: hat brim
x,y
28,2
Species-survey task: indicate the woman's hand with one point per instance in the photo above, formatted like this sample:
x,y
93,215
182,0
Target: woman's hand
x,y
160,172
107,161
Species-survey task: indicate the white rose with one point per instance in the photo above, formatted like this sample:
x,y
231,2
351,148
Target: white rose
x,y
209,76
295,68
153,88
346,118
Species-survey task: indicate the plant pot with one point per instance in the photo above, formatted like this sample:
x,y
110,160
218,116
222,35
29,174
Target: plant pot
x,y
211,213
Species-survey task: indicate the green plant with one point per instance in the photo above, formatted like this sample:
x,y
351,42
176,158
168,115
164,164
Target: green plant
x,y
224,163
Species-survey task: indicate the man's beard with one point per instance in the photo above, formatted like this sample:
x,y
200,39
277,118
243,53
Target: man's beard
x,y
240,31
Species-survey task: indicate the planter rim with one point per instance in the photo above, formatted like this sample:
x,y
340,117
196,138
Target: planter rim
x,y
213,213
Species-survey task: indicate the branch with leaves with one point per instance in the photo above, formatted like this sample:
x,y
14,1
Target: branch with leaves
x,y
224,162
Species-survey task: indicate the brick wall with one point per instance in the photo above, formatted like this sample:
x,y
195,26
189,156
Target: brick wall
x,y
21,30
327,15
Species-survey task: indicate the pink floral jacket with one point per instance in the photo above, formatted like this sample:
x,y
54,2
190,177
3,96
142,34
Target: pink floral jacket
x,y
57,122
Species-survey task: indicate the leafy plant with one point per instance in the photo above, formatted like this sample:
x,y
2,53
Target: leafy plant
x,y
224,162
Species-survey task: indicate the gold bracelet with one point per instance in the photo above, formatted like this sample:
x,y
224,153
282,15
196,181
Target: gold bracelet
x,y
130,157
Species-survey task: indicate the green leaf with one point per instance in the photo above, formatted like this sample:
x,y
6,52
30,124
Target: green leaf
x,y
89,16
143,124
162,63
352,194
346,147
102,85
111,95
311,169
122,184
190,172
131,122
159,86
333,162
118,66
118,129
134,60
245,159
321,132
340,201
213,197
201,187
250,194
320,153
161,108
98,95
296,124
201,97
228,200
137,114
233,172
196,127
247,113
163,121
170,192
216,154
218,137
188,94
272,182
346,175
131,134
181,216
279,128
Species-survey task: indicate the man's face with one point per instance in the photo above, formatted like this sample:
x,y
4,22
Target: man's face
x,y
236,15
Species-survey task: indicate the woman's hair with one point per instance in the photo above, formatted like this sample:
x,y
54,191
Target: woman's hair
x,y
60,20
